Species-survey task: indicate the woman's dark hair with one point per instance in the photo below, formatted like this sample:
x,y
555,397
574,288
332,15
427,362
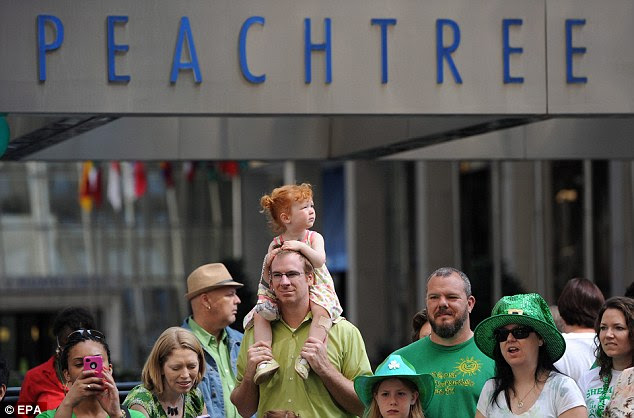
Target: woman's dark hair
x,y
626,306
419,319
504,379
76,338
579,302
71,319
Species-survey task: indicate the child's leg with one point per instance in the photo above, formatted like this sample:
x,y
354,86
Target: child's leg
x,y
321,322
319,328
262,332
262,329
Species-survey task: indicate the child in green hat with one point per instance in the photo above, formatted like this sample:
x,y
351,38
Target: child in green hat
x,y
395,390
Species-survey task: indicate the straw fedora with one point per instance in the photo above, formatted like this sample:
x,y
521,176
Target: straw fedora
x,y
209,277
524,309
395,366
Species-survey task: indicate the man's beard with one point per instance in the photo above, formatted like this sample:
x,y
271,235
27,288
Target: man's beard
x,y
449,330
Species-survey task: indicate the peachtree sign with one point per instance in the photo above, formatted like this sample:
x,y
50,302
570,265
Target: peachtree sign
x,y
228,57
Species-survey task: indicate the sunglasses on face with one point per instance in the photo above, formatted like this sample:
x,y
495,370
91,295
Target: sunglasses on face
x,y
501,334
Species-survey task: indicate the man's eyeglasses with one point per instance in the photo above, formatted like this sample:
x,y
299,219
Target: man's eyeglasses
x,y
290,275
501,334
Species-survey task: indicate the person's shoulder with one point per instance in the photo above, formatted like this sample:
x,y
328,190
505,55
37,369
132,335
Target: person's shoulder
x,y
588,376
41,368
560,378
314,235
197,398
185,323
139,392
342,324
42,374
139,395
234,334
414,347
47,414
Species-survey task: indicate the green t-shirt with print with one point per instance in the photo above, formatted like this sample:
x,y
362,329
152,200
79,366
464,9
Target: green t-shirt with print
x,y
459,373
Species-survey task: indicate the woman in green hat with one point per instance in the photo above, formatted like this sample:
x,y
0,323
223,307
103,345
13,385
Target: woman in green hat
x,y
615,334
395,390
521,336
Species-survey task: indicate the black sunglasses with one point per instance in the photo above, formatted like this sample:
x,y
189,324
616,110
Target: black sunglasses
x,y
501,334
85,332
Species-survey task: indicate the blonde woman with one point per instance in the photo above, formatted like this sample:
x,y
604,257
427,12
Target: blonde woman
x,y
170,378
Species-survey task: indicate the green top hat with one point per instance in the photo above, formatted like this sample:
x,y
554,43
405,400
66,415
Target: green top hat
x,y
395,367
525,309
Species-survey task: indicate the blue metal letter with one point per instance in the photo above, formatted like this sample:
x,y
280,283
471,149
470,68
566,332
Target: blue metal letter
x,y
507,50
113,48
255,79
444,52
383,23
177,65
570,50
309,47
42,46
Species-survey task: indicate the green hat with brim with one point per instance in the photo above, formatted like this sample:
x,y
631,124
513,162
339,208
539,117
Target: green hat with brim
x,y
395,367
525,309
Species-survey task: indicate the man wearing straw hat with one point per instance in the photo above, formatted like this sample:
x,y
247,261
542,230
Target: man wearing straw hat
x,y
211,292
328,391
449,354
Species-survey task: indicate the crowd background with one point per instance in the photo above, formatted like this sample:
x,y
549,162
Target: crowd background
x,y
131,262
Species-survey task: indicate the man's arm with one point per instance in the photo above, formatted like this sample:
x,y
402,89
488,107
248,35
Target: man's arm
x,y
246,395
341,388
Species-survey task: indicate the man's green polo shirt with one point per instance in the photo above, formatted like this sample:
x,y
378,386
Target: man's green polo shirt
x,y
308,398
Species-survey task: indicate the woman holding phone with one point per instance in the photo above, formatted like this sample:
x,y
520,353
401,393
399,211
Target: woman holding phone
x,y
171,374
87,373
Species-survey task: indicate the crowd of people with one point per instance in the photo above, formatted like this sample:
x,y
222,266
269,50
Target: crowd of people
x,y
300,357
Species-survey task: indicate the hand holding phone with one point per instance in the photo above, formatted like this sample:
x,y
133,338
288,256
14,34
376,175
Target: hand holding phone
x,y
94,363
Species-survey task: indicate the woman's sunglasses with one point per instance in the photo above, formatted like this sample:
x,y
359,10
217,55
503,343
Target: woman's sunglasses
x,y
85,332
501,334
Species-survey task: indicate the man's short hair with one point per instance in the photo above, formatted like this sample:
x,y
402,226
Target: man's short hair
x,y
579,302
448,271
629,292
73,318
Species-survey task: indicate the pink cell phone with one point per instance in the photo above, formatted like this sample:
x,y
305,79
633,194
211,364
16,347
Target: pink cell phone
x,y
94,363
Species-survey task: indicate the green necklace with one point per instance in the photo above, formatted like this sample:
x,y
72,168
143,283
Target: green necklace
x,y
603,398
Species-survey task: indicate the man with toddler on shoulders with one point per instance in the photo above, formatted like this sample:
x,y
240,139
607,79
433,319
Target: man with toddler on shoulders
x,y
328,391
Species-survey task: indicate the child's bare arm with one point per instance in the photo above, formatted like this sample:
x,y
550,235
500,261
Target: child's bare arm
x,y
316,253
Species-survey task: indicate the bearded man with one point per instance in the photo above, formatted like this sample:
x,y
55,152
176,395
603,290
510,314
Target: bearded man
x,y
449,354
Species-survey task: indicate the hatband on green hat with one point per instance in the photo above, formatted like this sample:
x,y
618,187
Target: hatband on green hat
x,y
523,309
395,367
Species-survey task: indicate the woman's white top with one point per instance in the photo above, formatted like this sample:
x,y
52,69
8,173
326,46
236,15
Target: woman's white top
x,y
560,393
